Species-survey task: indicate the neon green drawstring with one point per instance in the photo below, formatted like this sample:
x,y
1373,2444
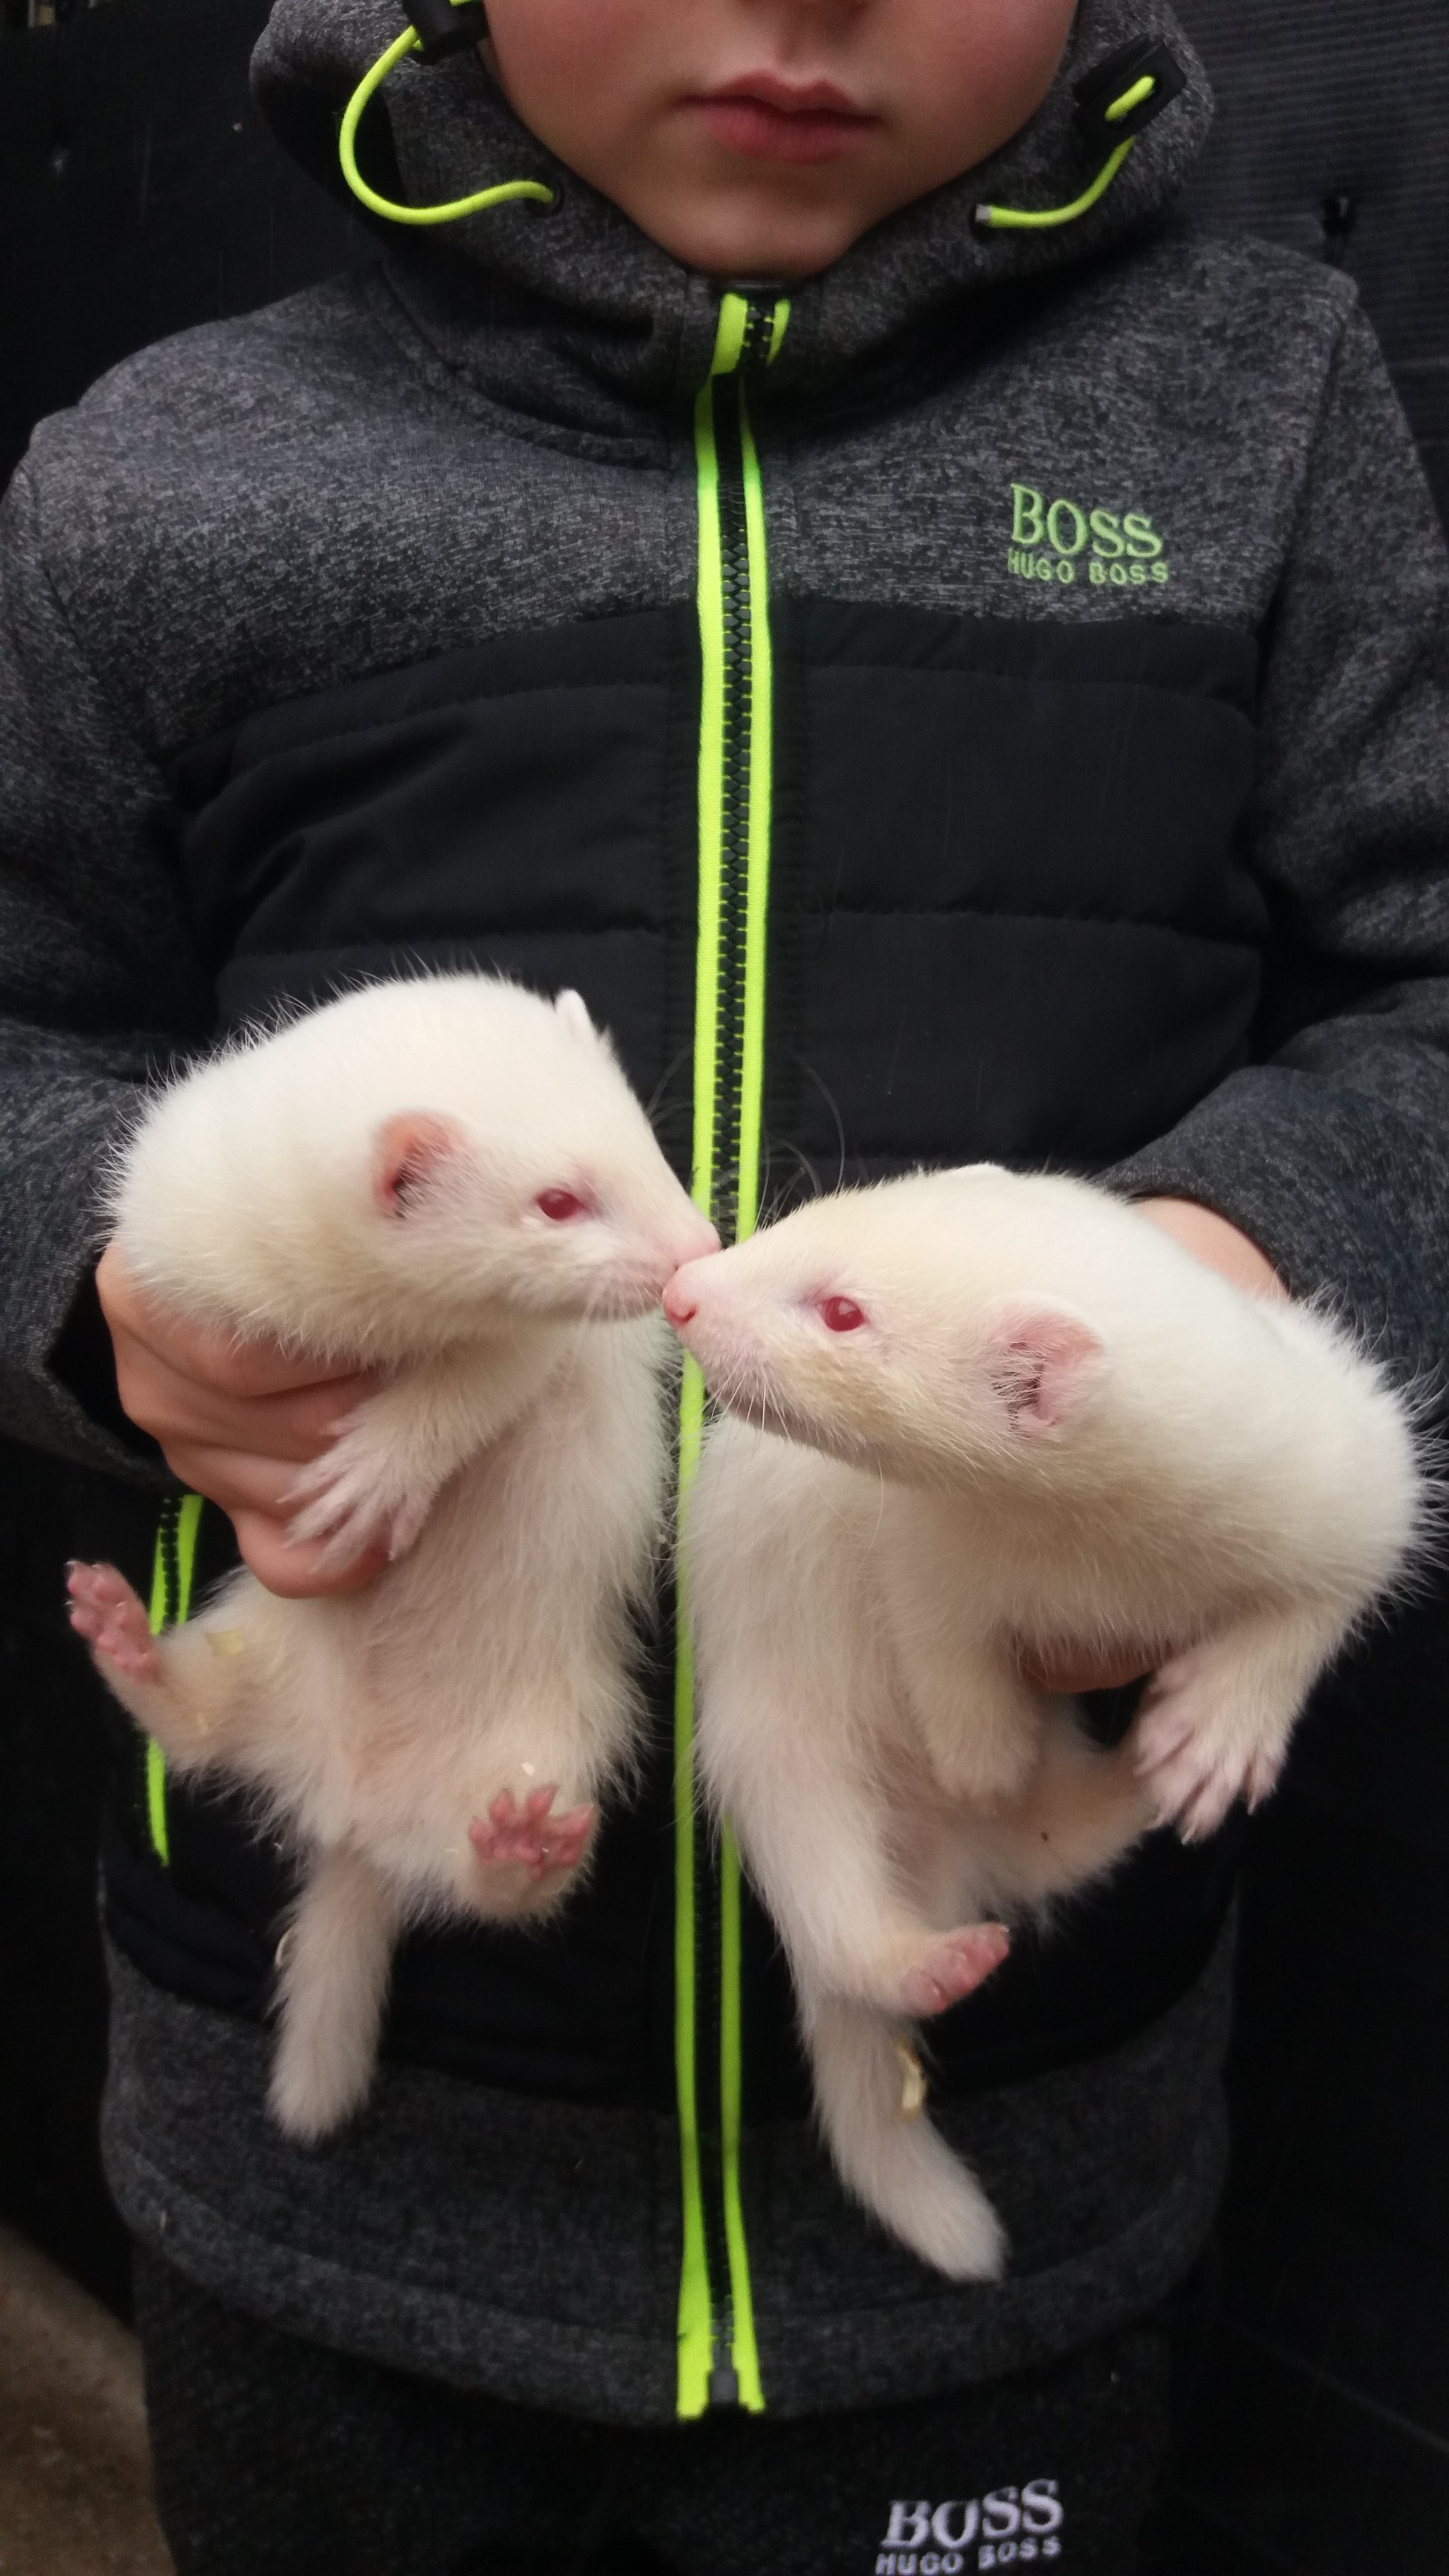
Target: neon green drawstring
x,y
371,82
1013,219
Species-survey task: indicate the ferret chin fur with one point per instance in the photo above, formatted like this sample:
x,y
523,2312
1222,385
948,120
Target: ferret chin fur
x,y
1036,1422
448,1178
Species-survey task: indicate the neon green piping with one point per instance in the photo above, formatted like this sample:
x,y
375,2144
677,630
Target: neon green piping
x,y
757,880
731,2088
448,214
161,1615
1010,219
695,2317
695,2321
752,1084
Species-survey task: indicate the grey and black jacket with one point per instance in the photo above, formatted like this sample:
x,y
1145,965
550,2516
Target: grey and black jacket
x,y
1028,651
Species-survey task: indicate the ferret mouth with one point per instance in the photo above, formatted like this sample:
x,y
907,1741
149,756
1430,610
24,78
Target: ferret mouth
x,y
762,1409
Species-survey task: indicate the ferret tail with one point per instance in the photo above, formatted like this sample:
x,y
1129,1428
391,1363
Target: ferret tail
x,y
332,1975
886,2153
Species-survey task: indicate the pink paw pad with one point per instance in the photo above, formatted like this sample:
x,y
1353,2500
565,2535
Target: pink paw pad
x,y
953,1967
530,1834
112,1619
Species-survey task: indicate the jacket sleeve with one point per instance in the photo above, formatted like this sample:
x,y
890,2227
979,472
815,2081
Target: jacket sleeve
x,y
1332,1150
99,986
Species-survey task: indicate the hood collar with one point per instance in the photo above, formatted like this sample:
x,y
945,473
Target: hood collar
x,y
597,319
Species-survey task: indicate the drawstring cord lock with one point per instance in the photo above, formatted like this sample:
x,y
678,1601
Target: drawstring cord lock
x,y
1127,93
445,27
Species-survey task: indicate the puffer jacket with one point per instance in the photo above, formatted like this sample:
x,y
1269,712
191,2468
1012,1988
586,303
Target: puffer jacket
x,y
1015,663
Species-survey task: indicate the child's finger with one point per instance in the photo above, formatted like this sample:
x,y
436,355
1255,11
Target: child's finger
x,y
236,1480
179,1410
297,1573
1068,1671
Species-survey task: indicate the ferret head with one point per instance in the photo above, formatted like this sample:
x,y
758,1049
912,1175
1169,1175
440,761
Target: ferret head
x,y
395,1165
903,1327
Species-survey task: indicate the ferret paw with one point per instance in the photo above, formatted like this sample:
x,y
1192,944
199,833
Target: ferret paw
x,y
530,1834
112,1619
343,1503
1193,1769
952,1967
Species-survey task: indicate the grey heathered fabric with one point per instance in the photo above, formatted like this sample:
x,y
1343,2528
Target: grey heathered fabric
x,y
491,433
531,2249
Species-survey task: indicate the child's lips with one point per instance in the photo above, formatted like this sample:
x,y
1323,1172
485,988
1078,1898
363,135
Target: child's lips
x,y
766,121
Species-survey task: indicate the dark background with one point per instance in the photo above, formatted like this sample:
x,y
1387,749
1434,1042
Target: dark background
x,y
139,194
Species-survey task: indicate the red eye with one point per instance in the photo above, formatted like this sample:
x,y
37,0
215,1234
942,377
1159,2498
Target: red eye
x,y
841,1314
560,1205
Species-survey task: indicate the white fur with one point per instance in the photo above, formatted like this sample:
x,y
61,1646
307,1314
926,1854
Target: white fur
x,y
1054,1428
365,1184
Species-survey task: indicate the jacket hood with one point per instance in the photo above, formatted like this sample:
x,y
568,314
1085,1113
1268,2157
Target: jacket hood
x,y
624,324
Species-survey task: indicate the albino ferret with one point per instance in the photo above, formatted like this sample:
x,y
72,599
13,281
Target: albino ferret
x,y
447,1180
1033,1421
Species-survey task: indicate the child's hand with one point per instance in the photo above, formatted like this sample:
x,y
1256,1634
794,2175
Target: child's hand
x,y
235,1421
1209,1238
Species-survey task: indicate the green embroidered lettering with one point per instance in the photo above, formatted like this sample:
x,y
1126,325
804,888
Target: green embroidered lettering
x,y
1160,572
1057,517
1099,573
1107,531
1143,540
1045,568
1028,515
1066,571
1118,574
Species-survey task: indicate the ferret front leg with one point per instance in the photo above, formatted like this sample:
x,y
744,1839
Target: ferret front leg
x,y
397,1449
976,1721
978,1724
187,1688
1217,1720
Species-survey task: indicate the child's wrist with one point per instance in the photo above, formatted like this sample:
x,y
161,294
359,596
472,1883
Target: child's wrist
x,y
1212,1239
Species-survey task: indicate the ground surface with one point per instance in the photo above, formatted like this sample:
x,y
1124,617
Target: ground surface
x,y
75,2484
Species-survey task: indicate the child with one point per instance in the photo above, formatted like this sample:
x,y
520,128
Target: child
x,y
952,667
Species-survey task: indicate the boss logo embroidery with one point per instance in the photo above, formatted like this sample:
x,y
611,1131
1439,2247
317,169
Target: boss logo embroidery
x,y
1011,2527
1062,542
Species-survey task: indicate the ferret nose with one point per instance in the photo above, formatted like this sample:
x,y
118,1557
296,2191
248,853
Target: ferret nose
x,y
679,1305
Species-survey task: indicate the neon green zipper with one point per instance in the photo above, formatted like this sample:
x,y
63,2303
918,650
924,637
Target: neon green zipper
x,y
173,1570
718,2360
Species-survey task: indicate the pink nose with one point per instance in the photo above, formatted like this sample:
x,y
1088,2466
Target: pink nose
x,y
679,1305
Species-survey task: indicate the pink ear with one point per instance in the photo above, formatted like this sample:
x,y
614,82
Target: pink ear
x,y
409,1153
1045,1362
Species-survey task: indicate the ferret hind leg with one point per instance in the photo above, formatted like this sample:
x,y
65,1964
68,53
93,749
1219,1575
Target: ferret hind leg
x,y
332,1973
886,2153
397,1449
814,1835
1216,1721
189,1688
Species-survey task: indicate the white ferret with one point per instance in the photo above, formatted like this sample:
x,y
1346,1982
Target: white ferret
x,y
447,1180
1031,1421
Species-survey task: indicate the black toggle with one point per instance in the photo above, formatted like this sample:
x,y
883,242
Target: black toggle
x,y
443,30
1111,80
